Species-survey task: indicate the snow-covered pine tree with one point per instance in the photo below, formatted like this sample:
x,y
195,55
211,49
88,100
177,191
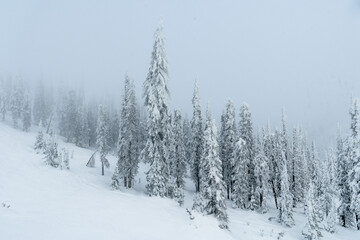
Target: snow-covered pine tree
x,y
51,152
128,153
261,172
346,215
296,169
228,138
197,138
26,113
246,134
40,145
3,99
286,200
330,192
102,138
187,139
240,176
17,101
270,153
41,104
317,177
64,159
212,184
178,158
354,161
157,147
311,230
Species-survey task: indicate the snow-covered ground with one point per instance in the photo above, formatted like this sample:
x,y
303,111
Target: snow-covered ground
x,y
42,202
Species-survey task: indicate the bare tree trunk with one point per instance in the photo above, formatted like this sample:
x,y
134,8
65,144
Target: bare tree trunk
x,y
102,168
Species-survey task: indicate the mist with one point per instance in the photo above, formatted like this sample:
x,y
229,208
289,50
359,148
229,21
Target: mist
x,y
301,56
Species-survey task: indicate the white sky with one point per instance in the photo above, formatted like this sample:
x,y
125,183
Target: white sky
x,y
303,55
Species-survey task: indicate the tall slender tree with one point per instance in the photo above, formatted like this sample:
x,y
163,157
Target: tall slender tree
x,y
197,138
212,184
157,148
102,138
228,138
128,153
246,134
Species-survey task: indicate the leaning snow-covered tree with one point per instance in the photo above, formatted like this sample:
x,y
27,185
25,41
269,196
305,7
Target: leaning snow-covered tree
x,y
212,189
128,153
157,147
102,139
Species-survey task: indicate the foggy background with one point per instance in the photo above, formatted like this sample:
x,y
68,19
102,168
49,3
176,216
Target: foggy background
x,y
303,56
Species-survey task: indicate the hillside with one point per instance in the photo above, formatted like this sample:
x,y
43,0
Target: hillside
x,y
47,203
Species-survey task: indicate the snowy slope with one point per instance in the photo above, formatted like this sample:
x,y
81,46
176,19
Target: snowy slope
x,y
47,203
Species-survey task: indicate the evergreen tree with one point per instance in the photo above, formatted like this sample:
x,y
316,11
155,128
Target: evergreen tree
x,y
128,153
262,177
197,138
26,114
286,199
212,186
187,139
3,99
41,105
157,148
40,145
246,134
330,192
296,169
51,152
240,175
64,159
354,161
102,138
346,215
228,136
311,230
17,101
178,158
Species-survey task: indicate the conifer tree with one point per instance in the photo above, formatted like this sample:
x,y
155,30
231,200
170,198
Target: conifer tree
x,y
187,139
311,230
26,114
262,177
64,159
178,158
286,200
228,138
102,138
157,148
128,153
212,184
246,134
240,175
40,145
197,138
51,152
17,101
354,161
346,215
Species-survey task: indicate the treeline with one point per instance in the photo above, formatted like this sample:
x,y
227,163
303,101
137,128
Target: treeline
x,y
248,168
